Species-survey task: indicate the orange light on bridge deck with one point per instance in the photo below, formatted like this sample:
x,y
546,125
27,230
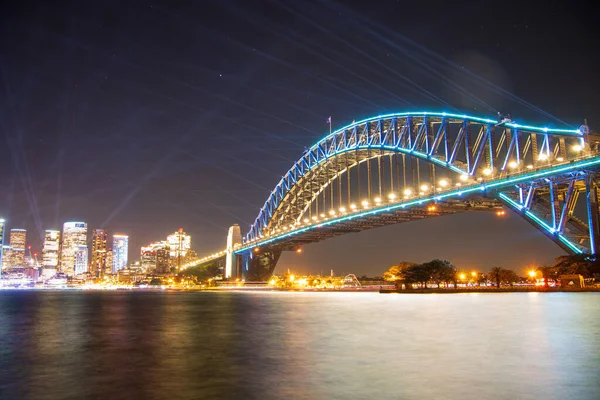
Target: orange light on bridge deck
x,y
256,249
500,213
431,208
299,250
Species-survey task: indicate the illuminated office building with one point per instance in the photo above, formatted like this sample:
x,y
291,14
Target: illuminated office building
x,y
98,263
155,258
109,262
179,245
17,248
119,252
74,236
81,259
2,225
50,253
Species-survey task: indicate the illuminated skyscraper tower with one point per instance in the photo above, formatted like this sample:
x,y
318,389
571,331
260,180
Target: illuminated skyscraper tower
x,y
81,260
50,253
74,236
119,252
2,224
179,245
98,264
17,248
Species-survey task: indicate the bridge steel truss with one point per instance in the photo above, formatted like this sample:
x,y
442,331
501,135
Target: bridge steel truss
x,y
401,167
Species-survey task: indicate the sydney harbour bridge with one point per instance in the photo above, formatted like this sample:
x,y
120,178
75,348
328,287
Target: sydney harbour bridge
x,y
401,167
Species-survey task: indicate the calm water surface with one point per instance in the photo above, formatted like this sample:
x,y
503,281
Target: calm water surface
x,y
153,345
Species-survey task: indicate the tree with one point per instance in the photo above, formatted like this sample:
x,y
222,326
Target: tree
x,y
510,276
581,264
547,272
495,275
396,272
418,273
441,271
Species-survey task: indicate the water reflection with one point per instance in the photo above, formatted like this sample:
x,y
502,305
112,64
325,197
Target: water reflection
x,y
124,345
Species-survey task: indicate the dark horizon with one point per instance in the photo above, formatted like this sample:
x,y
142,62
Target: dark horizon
x,y
150,117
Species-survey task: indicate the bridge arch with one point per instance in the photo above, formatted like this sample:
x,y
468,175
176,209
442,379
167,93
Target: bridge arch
x,y
467,149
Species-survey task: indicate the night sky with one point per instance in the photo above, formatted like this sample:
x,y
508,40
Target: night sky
x,y
143,117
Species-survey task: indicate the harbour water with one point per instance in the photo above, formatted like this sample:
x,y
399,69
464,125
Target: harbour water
x,y
293,345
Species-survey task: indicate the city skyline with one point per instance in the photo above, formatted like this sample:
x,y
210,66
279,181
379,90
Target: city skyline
x,y
195,141
73,256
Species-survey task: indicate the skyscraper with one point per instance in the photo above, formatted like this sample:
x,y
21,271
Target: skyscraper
x,y
109,262
17,248
179,244
155,258
119,252
50,253
98,264
81,259
74,235
2,224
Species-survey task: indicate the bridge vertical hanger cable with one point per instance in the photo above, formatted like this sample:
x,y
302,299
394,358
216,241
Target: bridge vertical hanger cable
x,y
331,188
348,180
339,179
358,173
369,176
391,173
379,171
404,170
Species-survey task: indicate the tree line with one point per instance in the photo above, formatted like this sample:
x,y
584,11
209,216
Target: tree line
x,y
444,272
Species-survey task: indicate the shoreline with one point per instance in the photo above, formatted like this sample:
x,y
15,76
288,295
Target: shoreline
x,y
490,290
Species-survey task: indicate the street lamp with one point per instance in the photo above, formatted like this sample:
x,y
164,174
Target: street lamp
x,y
443,183
487,171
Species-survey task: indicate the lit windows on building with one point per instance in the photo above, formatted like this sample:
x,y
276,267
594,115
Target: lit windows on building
x,y
98,253
155,258
119,252
179,244
2,225
74,236
81,260
50,253
17,248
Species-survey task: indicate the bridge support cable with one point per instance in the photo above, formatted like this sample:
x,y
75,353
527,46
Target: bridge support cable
x,y
379,173
369,176
392,173
348,183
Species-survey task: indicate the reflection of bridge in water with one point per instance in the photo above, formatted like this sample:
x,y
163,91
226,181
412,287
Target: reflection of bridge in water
x,y
407,166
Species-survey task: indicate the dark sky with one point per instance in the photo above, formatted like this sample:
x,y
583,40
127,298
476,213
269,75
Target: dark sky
x,y
143,117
